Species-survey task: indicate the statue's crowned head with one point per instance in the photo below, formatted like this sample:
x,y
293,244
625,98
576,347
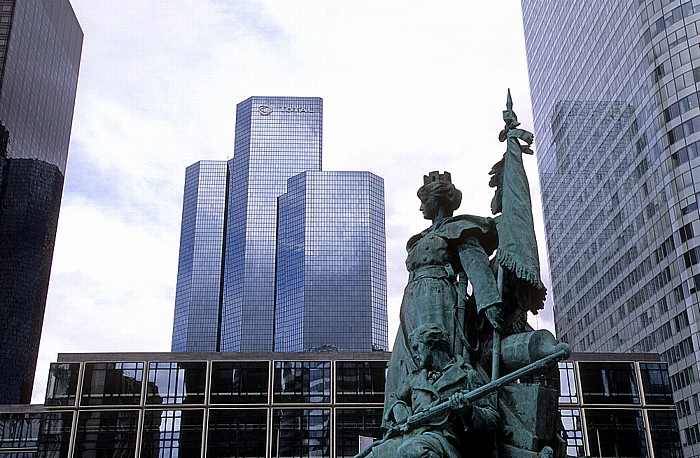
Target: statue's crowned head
x,y
439,186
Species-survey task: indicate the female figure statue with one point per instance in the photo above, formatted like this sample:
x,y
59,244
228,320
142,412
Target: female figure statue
x,y
452,246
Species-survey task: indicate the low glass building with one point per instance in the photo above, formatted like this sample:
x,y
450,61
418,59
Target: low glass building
x,y
618,405
312,404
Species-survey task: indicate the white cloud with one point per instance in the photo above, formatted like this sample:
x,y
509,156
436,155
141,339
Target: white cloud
x,y
408,87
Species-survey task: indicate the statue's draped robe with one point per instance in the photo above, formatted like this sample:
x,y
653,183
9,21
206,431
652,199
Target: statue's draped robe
x,y
431,294
475,430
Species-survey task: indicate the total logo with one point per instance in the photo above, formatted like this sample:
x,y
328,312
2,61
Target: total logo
x,y
266,110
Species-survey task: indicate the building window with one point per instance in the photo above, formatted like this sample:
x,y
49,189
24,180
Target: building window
x,y
234,382
572,432
350,424
692,435
360,382
237,432
176,383
656,383
690,257
302,381
55,434
615,432
568,393
19,430
172,433
608,383
665,439
106,433
63,384
112,384
686,232
301,433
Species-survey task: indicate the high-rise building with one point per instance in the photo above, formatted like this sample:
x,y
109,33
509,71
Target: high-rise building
x,y
199,287
331,263
617,126
276,138
40,48
276,254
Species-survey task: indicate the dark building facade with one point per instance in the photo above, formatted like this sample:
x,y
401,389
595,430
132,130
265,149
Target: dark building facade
x,y
40,48
321,404
618,125
275,254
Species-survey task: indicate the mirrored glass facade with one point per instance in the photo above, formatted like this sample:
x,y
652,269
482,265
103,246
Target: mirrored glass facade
x,y
176,383
239,382
35,433
253,405
172,433
106,433
199,287
611,405
265,405
302,381
276,138
62,385
117,383
40,49
237,432
276,255
331,263
617,126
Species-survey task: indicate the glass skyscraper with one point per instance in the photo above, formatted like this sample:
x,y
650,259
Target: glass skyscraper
x,y
40,48
276,138
234,273
331,263
199,288
615,99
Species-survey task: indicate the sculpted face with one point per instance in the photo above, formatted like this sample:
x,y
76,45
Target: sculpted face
x,y
421,354
429,206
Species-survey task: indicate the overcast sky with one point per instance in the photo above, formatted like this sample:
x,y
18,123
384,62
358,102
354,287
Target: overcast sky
x,y
408,87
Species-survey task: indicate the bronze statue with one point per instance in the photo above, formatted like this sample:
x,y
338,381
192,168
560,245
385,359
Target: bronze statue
x,y
452,245
483,333
440,376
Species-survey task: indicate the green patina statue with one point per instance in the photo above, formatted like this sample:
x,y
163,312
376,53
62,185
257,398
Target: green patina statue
x,y
483,335
440,376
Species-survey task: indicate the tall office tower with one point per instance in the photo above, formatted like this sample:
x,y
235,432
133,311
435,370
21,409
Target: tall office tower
x,y
199,287
618,124
276,138
40,47
331,263
275,254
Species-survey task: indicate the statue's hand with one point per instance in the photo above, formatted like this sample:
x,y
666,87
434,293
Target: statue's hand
x,y
460,402
493,314
401,412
